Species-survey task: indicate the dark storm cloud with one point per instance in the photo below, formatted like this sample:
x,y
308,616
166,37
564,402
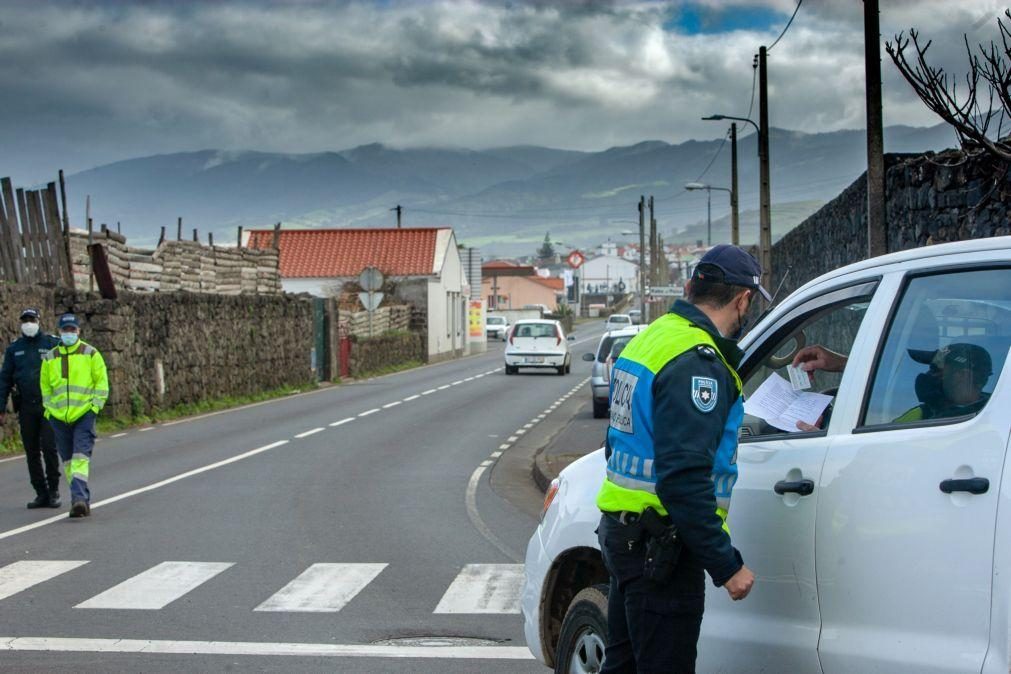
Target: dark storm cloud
x,y
87,82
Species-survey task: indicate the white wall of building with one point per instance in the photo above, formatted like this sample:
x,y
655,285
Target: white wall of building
x,y
447,302
608,270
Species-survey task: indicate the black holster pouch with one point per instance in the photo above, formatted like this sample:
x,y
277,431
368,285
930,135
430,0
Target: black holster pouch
x,y
662,548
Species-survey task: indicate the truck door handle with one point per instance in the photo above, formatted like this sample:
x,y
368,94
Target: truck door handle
x,y
802,487
973,485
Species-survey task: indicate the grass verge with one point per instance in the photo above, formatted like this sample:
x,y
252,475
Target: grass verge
x,y
390,369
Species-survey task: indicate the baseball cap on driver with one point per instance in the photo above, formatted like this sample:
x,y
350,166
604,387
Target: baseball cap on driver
x,y
729,264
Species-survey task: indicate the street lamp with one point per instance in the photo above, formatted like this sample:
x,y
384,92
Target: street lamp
x,y
709,205
765,199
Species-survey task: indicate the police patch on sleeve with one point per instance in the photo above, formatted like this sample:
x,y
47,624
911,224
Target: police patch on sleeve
x,y
704,392
622,389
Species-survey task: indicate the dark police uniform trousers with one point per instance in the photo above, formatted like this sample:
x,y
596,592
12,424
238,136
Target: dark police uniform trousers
x,y
657,614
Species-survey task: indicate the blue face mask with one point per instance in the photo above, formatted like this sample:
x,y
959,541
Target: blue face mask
x,y
69,338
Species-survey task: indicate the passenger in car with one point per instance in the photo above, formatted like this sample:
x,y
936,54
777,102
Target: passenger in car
x,y
953,384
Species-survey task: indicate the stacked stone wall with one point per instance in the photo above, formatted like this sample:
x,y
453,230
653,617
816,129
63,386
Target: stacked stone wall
x,y
369,355
929,199
166,349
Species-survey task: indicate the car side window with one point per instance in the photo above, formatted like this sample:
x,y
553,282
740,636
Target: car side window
x,y
832,326
944,349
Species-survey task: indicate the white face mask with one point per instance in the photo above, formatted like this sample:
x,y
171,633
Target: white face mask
x,y
29,329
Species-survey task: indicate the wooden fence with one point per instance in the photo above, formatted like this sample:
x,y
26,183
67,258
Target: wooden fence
x,y
33,243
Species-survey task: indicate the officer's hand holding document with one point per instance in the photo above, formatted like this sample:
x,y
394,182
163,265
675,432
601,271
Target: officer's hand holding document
x,y
780,404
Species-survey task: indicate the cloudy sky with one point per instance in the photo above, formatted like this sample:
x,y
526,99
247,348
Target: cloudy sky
x,y
86,83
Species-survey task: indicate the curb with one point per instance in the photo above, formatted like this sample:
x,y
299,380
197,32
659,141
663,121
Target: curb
x,y
540,470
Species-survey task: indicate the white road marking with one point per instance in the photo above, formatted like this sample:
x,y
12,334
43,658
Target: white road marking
x,y
444,387
368,412
392,404
513,438
308,433
457,382
504,445
157,587
343,421
528,426
117,435
470,498
495,455
150,487
22,575
322,588
145,429
237,648
469,379
478,376
520,431
410,398
428,392
484,588
13,458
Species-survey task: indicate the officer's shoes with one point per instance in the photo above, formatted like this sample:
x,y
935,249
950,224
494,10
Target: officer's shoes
x,y
54,498
79,509
41,501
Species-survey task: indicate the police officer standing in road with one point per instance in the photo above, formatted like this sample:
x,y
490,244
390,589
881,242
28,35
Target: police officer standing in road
x,y
676,408
20,376
75,386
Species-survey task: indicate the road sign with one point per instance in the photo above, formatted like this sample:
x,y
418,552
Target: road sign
x,y
370,301
667,291
575,259
371,279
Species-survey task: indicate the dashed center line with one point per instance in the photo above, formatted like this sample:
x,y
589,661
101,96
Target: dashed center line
x,y
392,404
444,387
428,392
306,434
368,412
410,398
343,421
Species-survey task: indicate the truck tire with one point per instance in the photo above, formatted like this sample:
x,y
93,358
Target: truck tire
x,y
584,633
599,409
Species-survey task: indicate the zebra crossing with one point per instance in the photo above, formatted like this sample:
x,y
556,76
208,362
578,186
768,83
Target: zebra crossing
x,y
321,588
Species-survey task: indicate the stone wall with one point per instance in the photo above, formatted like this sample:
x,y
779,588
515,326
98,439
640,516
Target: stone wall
x,y
163,349
932,198
371,354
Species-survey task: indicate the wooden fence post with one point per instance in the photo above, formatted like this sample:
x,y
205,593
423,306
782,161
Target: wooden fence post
x,y
13,238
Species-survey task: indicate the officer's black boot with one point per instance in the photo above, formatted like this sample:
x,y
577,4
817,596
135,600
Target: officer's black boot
x,y
41,501
54,498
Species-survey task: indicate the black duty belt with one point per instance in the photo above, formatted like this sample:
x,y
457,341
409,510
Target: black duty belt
x,y
629,518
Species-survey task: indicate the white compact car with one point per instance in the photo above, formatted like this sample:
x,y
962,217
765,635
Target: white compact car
x,y
496,327
882,541
537,344
618,321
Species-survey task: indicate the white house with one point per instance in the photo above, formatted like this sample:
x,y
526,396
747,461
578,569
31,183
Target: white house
x,y
424,263
608,272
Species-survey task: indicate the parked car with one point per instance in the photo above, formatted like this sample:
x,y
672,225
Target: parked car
x,y
543,308
615,321
635,315
608,349
537,344
876,538
497,327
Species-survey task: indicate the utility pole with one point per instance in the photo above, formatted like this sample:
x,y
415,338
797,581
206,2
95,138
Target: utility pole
x,y
709,218
735,221
877,240
652,249
642,255
400,211
765,208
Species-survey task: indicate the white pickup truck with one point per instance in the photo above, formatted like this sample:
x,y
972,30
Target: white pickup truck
x,y
882,541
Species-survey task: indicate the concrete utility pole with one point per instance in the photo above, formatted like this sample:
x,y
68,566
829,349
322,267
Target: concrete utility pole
x,y
877,240
735,221
652,249
400,211
765,208
642,255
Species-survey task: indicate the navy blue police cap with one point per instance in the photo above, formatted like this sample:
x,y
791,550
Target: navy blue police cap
x,y
67,320
729,264
30,313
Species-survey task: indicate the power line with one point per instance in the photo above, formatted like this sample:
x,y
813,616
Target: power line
x,y
711,161
799,3
754,80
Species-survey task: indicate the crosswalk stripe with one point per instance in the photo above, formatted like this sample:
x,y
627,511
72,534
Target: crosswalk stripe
x,y
22,575
484,588
322,588
157,587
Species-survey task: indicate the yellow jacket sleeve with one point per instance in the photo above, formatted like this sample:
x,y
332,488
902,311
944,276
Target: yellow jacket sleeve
x,y
100,382
45,386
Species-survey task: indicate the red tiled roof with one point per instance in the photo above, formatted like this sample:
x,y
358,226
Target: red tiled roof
x,y
553,283
338,253
499,264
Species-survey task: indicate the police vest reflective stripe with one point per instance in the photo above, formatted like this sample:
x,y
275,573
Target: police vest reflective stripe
x,y
73,381
631,479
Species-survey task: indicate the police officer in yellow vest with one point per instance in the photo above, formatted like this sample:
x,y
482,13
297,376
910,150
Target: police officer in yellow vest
x,y
671,450
75,386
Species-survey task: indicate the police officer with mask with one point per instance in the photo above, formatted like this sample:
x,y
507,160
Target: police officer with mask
x,y
671,448
20,375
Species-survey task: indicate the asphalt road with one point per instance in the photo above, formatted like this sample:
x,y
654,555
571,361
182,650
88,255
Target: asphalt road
x,y
351,529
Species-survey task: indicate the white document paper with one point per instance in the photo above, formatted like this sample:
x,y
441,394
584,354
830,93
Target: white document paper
x,y
779,405
799,377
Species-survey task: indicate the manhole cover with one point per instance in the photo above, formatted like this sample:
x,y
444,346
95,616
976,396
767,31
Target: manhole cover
x,y
437,641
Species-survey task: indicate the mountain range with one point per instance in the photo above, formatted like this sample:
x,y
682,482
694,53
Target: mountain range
x,y
503,200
